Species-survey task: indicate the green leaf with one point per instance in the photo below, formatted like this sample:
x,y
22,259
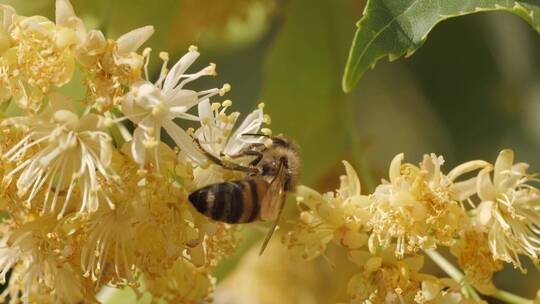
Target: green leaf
x,y
396,28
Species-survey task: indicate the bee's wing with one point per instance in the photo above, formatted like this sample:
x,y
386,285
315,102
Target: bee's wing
x,y
276,194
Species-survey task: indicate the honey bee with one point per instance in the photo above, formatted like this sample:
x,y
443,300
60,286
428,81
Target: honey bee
x,y
261,194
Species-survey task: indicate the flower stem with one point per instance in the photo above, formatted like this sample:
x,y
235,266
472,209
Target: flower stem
x,y
510,297
453,272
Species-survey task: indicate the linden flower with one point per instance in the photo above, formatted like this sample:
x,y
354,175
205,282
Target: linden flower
x,y
385,279
339,216
419,206
37,53
37,258
64,152
510,210
216,136
475,258
111,65
153,106
107,252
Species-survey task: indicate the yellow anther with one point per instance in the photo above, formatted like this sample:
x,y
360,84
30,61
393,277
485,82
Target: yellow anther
x,y
299,199
206,121
147,52
261,105
267,119
226,88
190,131
227,158
227,103
268,143
266,131
164,56
193,48
215,106
211,70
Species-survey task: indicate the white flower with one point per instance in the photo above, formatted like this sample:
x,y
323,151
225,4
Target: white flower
x,y
64,153
217,137
510,210
153,106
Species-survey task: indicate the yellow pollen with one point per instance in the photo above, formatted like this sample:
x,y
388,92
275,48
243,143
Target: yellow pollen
x,y
226,88
147,51
266,131
215,106
261,105
267,119
268,143
164,56
193,48
212,69
227,103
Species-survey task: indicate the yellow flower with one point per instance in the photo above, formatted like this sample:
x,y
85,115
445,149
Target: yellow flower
x,y
63,152
110,65
40,54
420,206
509,210
385,279
339,216
475,258
37,257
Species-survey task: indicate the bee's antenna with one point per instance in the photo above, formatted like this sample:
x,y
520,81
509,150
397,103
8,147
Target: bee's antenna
x,y
256,134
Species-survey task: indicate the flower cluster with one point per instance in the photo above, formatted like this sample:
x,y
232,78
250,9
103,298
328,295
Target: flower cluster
x,y
487,219
86,202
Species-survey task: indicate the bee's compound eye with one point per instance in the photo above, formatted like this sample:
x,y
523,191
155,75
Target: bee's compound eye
x,y
266,169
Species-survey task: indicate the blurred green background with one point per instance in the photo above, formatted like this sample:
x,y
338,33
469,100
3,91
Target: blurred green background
x,y
469,92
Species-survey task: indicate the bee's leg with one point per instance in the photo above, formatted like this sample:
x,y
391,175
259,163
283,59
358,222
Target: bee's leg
x,y
225,164
258,155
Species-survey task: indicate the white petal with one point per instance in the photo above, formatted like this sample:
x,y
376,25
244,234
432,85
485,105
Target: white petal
x,y
466,168
465,189
395,167
183,141
485,212
181,98
132,41
205,110
353,182
484,187
251,124
64,12
138,150
9,12
503,166
173,77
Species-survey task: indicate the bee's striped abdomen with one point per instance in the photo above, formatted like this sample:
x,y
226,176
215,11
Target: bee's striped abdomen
x,y
231,202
